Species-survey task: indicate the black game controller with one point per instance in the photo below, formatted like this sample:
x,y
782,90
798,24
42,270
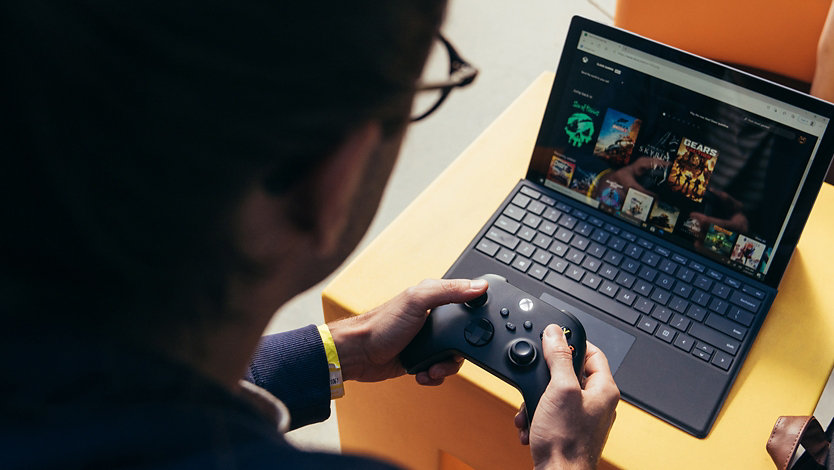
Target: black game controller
x,y
499,331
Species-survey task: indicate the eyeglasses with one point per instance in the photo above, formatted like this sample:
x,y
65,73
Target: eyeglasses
x,y
432,93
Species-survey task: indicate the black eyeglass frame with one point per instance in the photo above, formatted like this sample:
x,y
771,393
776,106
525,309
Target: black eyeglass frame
x,y
461,74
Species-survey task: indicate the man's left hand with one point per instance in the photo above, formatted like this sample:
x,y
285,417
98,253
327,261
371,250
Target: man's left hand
x,y
369,345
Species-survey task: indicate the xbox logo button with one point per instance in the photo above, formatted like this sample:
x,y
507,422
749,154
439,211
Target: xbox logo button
x,y
525,304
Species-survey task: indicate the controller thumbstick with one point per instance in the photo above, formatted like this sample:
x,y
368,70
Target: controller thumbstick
x,y
477,301
522,353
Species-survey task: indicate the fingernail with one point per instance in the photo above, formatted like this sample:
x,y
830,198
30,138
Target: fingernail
x,y
477,284
551,330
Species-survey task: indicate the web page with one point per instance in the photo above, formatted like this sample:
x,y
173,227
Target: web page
x,y
706,164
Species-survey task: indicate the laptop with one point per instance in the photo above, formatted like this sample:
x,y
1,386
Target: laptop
x,y
664,198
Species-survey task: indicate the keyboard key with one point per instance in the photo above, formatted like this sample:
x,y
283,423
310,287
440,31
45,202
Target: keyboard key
x,y
564,235
682,289
701,354
740,315
567,221
719,306
537,272
575,256
542,256
616,243
530,192
661,296
579,214
704,347
647,324
613,257
551,214
662,313
507,224
521,200
745,301
725,326
684,342
580,242
591,264
685,275
626,297
722,360
664,252
542,241
645,243
563,207
609,272
715,274
713,337
647,273
502,238
721,290
514,212
678,258
575,273
644,305
750,290
665,281
643,288
630,265
558,248
536,207
634,251
665,333
556,280
548,228
679,322
526,233
600,236
559,265
678,304
629,236
651,259
505,256
697,313
668,266
596,250
697,266
522,264
532,220
525,249
626,280
612,228
584,228
700,297
488,247
734,283
548,200
595,221
592,280
703,282
609,288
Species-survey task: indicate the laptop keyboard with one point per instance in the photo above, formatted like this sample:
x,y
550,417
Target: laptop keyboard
x,y
659,291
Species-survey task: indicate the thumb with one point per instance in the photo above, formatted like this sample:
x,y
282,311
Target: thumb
x,y
558,356
432,293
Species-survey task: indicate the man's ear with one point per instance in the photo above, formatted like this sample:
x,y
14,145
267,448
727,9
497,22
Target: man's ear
x,y
333,187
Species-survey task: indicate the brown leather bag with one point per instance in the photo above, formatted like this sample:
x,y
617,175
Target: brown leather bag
x,y
789,433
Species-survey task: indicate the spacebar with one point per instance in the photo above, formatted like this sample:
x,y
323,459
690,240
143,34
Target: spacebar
x,y
592,297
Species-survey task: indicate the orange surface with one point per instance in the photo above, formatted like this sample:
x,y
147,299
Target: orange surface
x,y
470,417
774,35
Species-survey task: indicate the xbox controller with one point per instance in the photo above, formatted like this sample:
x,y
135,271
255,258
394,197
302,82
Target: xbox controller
x,y
499,331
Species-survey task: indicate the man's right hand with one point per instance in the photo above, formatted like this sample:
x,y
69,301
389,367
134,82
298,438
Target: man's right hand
x,y
572,420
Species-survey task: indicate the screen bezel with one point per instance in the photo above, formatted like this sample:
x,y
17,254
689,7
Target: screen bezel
x,y
819,168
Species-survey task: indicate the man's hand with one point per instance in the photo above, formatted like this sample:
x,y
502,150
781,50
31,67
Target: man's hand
x,y
369,344
572,421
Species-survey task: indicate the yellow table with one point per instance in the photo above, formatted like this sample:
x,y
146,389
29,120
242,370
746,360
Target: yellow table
x,y
468,420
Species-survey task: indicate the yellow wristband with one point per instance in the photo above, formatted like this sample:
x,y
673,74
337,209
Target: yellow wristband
x,y
337,388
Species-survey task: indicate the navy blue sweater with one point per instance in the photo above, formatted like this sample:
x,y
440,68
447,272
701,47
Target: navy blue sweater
x,y
68,404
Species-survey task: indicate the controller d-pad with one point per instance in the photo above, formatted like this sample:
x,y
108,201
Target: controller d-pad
x,y
478,332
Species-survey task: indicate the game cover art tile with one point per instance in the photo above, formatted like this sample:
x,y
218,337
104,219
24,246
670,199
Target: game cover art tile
x,y
719,241
637,205
561,170
692,169
616,137
748,252
582,181
664,216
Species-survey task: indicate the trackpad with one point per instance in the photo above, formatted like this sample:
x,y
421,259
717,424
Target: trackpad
x,y
614,342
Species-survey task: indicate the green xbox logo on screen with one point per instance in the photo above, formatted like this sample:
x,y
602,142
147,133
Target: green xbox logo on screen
x,y
580,129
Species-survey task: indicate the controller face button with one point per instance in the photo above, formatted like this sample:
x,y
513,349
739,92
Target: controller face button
x,y
477,301
528,325
522,353
510,326
572,350
567,332
479,332
505,312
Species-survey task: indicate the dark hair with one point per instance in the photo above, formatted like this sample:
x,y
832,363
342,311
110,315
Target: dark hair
x,y
130,130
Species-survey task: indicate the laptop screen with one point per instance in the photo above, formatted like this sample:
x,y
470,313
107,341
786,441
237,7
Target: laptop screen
x,y
690,156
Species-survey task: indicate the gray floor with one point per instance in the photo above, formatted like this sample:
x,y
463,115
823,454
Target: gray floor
x,y
511,42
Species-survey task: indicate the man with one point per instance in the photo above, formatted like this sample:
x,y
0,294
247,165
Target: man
x,y
174,172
